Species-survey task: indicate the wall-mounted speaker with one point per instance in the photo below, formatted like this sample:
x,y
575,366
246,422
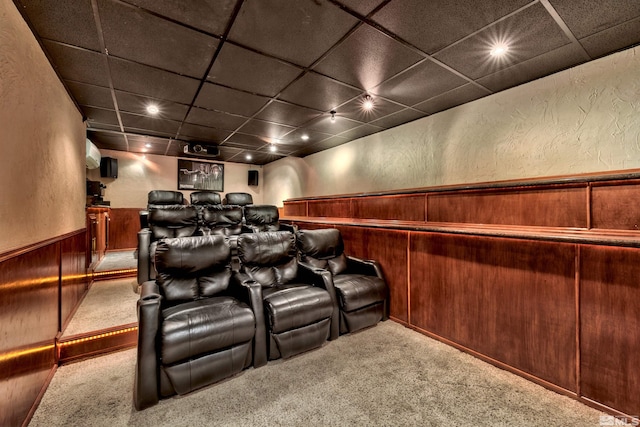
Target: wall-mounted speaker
x,y
253,178
108,167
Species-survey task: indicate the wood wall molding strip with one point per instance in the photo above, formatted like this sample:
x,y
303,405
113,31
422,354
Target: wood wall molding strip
x,y
23,250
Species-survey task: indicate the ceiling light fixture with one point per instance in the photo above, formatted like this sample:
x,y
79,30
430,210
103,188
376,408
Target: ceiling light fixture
x,y
272,148
147,145
305,137
248,157
153,109
333,115
499,50
367,103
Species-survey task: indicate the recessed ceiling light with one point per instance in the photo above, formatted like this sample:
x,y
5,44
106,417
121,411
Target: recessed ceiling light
x,y
147,145
153,109
499,50
272,148
367,103
305,137
248,157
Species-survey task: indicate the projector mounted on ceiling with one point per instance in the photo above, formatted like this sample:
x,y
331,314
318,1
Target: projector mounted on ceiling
x,y
197,149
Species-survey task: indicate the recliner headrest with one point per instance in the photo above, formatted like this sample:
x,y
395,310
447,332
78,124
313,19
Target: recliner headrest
x,y
269,248
222,214
173,215
165,197
325,243
205,198
261,214
241,199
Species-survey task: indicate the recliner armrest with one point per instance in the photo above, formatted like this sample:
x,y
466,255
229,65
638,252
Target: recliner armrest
x,y
144,256
323,279
364,266
249,291
146,376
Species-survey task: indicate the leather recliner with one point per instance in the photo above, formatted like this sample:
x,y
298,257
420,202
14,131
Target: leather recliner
x,y
196,323
259,218
164,222
159,198
299,303
240,199
362,293
204,198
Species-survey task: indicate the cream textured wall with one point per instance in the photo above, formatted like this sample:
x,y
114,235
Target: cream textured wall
x,y
42,142
138,176
585,119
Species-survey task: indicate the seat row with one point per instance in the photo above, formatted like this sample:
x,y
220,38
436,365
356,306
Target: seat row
x,y
201,321
177,220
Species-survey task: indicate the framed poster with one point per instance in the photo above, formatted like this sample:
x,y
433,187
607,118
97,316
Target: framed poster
x,y
193,175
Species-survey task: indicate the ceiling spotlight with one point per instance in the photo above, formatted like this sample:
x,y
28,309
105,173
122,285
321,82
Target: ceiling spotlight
x,y
272,148
333,115
305,137
248,157
153,109
367,103
147,145
499,50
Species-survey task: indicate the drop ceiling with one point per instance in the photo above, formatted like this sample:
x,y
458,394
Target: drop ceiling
x,y
246,75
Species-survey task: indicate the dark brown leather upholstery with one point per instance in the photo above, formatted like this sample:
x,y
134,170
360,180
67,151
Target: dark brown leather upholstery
x,y
164,222
221,220
259,218
205,198
361,290
159,198
196,322
240,199
299,302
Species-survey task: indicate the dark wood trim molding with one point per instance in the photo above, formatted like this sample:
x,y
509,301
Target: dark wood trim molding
x,y
23,250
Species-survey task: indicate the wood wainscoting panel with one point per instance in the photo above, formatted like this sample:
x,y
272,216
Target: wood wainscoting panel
x,y
389,248
511,300
404,207
74,281
295,208
555,207
610,326
337,208
124,225
28,325
616,206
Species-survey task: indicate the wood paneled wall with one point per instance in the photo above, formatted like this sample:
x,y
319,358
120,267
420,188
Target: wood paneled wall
x,y
124,225
540,279
40,287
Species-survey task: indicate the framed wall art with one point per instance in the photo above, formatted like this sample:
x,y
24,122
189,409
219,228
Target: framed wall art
x,y
194,175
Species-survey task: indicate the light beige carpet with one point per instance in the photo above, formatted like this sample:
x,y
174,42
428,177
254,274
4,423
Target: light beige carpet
x,y
384,376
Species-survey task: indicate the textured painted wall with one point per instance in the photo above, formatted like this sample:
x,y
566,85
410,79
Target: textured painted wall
x,y
138,176
42,142
585,119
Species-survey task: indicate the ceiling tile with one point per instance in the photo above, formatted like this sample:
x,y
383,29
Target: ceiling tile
x,y
141,79
211,16
265,129
102,126
559,59
139,144
326,125
70,22
220,98
401,117
612,39
535,33
299,34
287,114
133,34
363,7
366,58
457,96
100,115
200,116
323,145
257,157
108,140
587,17
432,25
360,131
295,138
189,131
319,92
133,103
157,125
90,95
421,82
241,140
246,70
78,64
381,107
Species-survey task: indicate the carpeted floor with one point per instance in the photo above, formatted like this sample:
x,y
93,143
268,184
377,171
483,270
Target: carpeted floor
x,y
384,376
117,260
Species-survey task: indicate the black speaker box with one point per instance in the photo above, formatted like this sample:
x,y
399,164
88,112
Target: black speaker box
x,y
253,178
108,167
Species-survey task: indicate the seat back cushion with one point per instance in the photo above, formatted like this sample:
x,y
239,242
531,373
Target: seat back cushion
x,y
262,217
165,197
269,258
222,219
190,268
240,199
205,198
322,248
173,221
